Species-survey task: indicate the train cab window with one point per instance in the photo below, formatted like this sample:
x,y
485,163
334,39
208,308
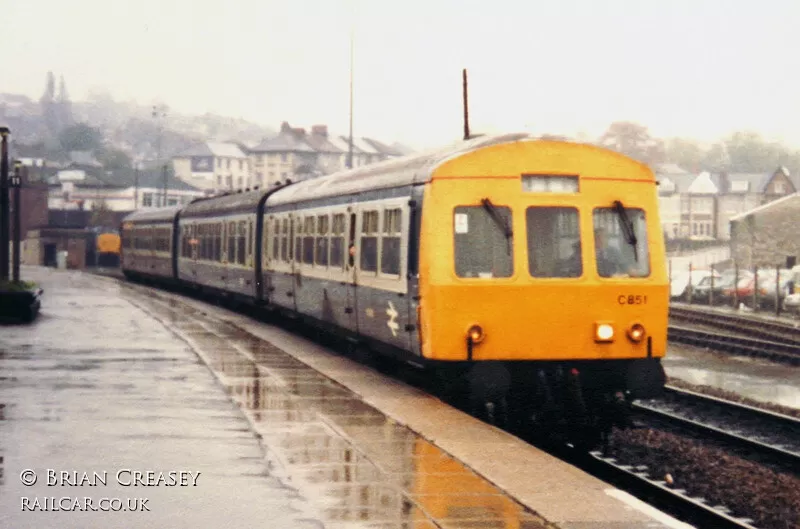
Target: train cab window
x,y
390,242
231,242
369,241
483,244
337,241
241,240
554,242
321,244
620,239
285,240
308,240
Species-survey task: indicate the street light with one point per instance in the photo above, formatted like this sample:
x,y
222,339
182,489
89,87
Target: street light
x,y
160,112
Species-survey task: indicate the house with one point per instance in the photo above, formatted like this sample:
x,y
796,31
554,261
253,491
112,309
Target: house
x,y
700,206
79,190
213,166
286,157
768,234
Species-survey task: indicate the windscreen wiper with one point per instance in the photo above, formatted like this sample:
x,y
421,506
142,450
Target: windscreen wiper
x,y
502,223
627,227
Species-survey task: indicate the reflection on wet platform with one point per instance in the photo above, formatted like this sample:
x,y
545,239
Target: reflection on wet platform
x,y
363,468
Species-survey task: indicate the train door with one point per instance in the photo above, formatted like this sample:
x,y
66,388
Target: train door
x,y
351,304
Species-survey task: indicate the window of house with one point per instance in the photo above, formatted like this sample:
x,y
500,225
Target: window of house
x,y
390,243
241,164
369,241
337,241
321,241
779,188
147,200
284,157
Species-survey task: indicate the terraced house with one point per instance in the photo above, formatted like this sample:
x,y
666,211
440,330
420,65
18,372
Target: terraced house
x,y
701,206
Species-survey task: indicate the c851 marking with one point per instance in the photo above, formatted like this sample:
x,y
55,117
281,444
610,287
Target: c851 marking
x,y
632,299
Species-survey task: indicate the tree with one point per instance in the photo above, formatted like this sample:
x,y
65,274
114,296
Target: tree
x,y
685,153
633,140
101,214
80,137
114,159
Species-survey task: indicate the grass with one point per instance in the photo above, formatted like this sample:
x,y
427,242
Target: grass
x,y
16,286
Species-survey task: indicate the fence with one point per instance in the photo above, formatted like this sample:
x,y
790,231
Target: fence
x,y
757,288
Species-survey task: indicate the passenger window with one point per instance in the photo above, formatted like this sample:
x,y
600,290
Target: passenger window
x,y
285,241
369,241
308,240
321,257
620,239
298,239
241,240
337,241
276,236
231,242
218,243
482,246
250,241
554,242
390,243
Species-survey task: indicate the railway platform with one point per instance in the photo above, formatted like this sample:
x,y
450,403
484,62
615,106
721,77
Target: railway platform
x,y
123,407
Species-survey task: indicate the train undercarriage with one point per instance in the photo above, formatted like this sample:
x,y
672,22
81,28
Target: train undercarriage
x,y
574,402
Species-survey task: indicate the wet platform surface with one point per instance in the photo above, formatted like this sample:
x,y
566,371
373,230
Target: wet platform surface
x,y
113,377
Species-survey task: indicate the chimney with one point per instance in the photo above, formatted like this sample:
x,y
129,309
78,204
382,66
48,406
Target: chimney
x,y
320,130
299,132
285,127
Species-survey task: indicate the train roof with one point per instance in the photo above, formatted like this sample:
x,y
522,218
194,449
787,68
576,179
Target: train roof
x,y
399,172
153,215
232,203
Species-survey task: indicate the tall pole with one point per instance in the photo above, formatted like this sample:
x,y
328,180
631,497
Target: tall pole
x,y
18,177
466,105
350,142
4,227
136,187
164,171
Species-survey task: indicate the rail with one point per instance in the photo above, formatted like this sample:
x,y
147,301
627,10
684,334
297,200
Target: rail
x,y
780,352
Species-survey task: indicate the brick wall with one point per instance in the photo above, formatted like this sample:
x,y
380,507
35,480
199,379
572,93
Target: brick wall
x,y
767,237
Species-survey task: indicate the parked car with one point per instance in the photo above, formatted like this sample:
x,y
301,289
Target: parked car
x,y
766,296
716,284
679,283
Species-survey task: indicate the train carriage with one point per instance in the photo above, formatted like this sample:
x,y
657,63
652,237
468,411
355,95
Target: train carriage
x,y
530,272
147,243
216,245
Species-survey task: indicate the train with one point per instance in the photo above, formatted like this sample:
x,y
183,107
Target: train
x,y
526,275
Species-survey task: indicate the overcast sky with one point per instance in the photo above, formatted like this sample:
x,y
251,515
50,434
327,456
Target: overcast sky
x,y
696,68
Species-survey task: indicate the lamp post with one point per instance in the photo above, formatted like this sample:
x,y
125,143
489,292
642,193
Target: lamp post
x,y
4,205
350,142
16,183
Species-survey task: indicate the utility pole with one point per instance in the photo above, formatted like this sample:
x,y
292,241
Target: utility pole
x,y
136,187
164,169
16,183
350,143
159,112
466,103
4,205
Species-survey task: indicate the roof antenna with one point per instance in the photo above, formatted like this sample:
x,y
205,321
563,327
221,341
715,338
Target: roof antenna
x,y
466,105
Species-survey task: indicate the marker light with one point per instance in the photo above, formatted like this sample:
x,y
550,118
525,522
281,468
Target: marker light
x,y
636,332
603,332
475,333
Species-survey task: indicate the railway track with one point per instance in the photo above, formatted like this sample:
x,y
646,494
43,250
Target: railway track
x,y
633,479
774,331
776,351
771,437
658,493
